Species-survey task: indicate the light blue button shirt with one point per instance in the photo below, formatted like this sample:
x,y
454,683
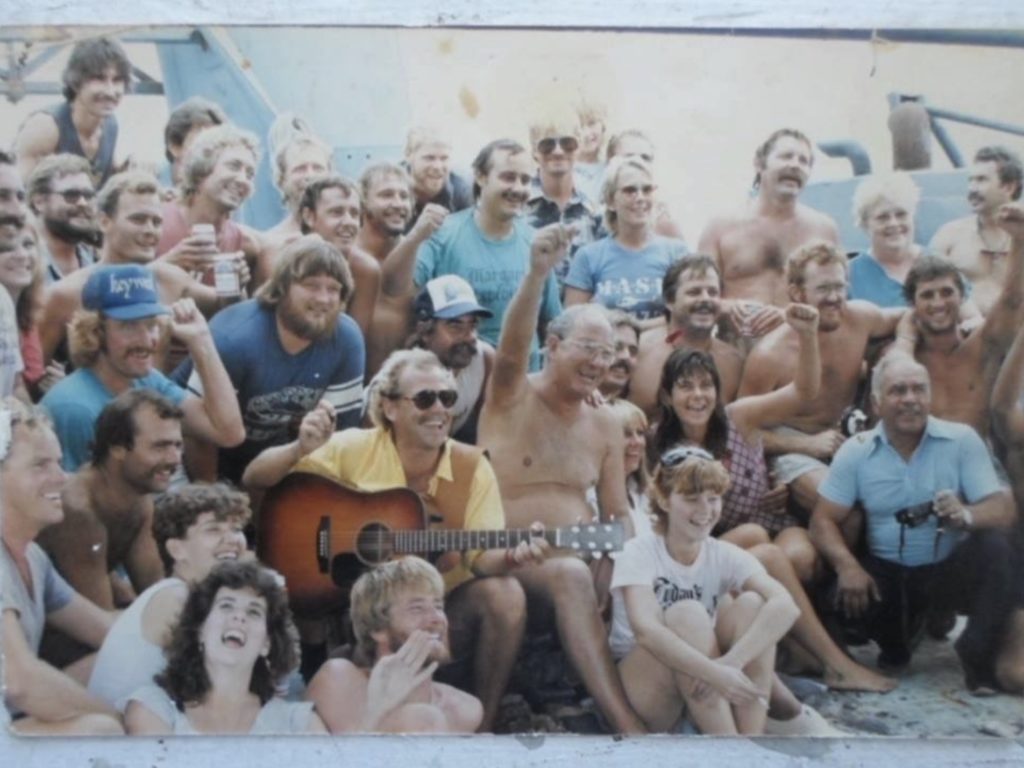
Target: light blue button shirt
x,y
868,469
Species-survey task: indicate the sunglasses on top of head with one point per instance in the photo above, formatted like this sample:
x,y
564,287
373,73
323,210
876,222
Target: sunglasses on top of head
x,y
674,457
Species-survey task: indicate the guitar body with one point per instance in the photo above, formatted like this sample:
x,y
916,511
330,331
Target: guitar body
x,y
321,535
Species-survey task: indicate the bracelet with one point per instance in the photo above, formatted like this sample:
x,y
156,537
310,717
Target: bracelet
x,y
968,518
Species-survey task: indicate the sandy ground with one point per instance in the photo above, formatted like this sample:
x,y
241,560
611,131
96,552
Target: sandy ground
x,y
931,701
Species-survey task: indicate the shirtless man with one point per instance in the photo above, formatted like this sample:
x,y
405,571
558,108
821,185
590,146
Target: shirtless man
x,y
751,246
387,200
108,503
130,220
1008,436
330,207
301,158
401,632
692,292
42,699
963,370
817,275
549,447
977,244
95,78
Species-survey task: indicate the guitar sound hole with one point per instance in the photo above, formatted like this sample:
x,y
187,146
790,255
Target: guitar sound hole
x,y
374,544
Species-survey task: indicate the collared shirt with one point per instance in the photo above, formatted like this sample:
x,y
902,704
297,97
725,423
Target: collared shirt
x,y
541,210
367,460
868,469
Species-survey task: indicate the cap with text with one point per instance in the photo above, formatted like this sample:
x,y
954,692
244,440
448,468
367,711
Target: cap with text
x,y
123,292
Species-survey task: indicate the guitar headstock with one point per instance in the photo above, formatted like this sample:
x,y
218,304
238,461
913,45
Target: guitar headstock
x,y
592,539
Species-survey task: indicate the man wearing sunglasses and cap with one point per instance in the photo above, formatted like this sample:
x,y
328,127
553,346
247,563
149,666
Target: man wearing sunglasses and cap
x,y
553,196
411,407
447,317
113,340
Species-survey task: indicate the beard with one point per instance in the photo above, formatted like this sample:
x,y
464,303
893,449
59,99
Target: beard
x,y
459,355
69,233
441,653
298,323
379,222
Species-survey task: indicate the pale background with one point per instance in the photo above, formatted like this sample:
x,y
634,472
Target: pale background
x,y
712,173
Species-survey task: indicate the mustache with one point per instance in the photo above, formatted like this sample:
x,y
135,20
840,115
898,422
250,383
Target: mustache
x,y
704,306
12,220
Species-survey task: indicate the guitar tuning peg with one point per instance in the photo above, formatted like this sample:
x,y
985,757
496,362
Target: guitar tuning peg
x,y
597,554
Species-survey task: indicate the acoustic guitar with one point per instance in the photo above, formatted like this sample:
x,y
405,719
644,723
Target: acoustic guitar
x,y
321,535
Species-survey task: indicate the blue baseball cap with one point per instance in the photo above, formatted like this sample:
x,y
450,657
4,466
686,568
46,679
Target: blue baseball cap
x,y
123,292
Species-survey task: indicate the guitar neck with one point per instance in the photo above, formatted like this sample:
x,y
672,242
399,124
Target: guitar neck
x,y
444,539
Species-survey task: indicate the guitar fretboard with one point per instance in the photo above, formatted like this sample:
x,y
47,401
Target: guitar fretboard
x,y
410,542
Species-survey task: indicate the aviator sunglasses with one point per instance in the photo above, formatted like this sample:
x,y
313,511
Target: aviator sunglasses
x,y
426,398
567,143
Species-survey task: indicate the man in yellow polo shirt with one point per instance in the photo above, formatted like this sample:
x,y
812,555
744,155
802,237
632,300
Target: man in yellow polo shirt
x,y
411,408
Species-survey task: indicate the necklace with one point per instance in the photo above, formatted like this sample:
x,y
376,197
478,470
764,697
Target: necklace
x,y
987,249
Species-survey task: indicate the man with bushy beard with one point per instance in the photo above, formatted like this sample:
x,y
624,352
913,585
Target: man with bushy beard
x,y
818,275
692,294
61,195
447,318
108,506
288,349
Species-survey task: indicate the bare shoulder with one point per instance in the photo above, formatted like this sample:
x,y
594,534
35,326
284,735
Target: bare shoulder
x,y
173,278
462,710
38,135
76,500
652,338
777,341
723,351
362,262
953,230
335,673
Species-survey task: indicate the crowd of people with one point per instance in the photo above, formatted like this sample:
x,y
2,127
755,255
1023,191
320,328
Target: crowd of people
x,y
805,449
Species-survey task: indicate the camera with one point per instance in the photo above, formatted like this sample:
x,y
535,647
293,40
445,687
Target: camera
x,y
915,515
852,421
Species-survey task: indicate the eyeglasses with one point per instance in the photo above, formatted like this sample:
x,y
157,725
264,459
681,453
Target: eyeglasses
x,y
425,398
567,143
673,457
600,352
72,196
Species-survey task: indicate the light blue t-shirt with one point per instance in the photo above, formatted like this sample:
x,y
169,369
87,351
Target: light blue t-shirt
x,y
869,281
75,403
866,468
621,278
494,268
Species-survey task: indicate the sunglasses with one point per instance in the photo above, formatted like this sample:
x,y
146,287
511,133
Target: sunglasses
x,y
567,143
72,196
426,398
673,457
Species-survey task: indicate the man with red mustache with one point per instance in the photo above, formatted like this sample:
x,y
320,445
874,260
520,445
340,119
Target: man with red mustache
x,y
751,246
977,244
95,79
113,342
